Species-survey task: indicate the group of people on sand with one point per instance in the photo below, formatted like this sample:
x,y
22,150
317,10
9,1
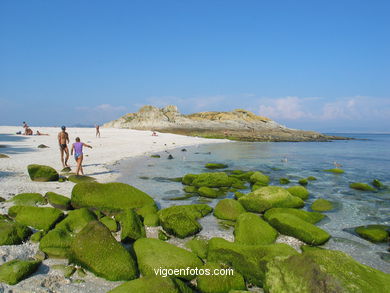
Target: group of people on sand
x,y
77,149
28,130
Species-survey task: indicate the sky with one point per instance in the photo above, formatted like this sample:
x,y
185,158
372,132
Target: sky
x,y
321,65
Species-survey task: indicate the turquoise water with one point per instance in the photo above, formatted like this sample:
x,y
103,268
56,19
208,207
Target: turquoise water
x,y
363,159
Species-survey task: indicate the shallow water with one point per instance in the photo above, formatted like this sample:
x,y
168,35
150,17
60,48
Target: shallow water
x,y
363,160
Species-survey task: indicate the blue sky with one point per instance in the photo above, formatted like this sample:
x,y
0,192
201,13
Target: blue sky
x,y
321,65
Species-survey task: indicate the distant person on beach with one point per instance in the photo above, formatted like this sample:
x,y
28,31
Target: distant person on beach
x,y
97,130
77,147
154,133
40,133
28,131
63,140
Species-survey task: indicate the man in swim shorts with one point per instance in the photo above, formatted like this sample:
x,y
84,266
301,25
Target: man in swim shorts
x,y
63,140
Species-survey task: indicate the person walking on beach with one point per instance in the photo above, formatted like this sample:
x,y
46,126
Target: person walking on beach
x,y
97,130
63,140
77,148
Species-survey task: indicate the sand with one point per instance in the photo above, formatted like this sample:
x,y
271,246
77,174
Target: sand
x,y
112,146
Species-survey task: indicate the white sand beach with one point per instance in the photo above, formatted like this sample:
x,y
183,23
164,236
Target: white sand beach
x,y
113,145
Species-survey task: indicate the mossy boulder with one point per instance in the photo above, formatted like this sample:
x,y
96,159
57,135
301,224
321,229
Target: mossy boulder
x,y
311,178
218,179
300,274
219,283
259,178
58,201
181,220
238,194
291,225
361,186
14,271
237,183
110,223
198,246
155,156
378,184
321,205
335,171
152,220
270,197
66,170
80,178
36,217
209,192
215,166
299,191
303,181
29,199
12,233
351,275
228,209
190,189
250,229
37,236
153,254
248,260
95,249
132,227
42,173
3,156
56,243
284,180
188,178
111,196
148,284
374,233
311,217
163,236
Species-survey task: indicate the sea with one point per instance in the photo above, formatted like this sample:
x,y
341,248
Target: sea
x,y
365,158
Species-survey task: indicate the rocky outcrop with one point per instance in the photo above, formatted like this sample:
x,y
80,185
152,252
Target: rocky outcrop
x,y
236,125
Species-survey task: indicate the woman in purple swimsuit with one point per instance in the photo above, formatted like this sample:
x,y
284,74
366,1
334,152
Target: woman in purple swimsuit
x,y
77,147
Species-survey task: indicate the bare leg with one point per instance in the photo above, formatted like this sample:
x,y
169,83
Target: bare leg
x,y
67,156
81,165
62,157
78,166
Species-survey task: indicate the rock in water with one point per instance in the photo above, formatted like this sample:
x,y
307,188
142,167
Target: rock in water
x,y
321,205
228,209
36,217
361,186
110,196
373,233
170,157
95,249
148,284
216,166
259,178
335,171
42,173
218,179
14,271
311,217
299,191
153,254
250,229
269,197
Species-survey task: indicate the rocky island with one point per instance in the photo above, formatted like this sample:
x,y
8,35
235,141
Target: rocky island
x,y
239,125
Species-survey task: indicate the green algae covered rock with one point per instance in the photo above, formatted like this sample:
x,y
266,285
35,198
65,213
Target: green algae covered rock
x,y
66,170
299,274
311,217
321,205
361,186
335,171
80,178
29,199
147,209
218,179
209,192
228,209
148,284
190,189
56,243
238,194
110,223
284,180
42,173
95,249
215,166
374,233
132,227
378,184
14,271
303,181
351,275
198,246
12,233
36,217
111,196
58,201
153,254
299,191
152,220
270,197
3,156
37,236
250,229
291,225
311,178
68,271
248,260
188,178
219,283
259,178
163,236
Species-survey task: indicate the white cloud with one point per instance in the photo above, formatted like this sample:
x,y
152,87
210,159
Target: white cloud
x,y
101,113
290,108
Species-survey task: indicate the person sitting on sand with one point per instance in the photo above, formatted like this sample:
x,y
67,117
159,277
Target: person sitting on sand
x,y
28,131
77,147
63,140
40,133
154,133
97,130
25,126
